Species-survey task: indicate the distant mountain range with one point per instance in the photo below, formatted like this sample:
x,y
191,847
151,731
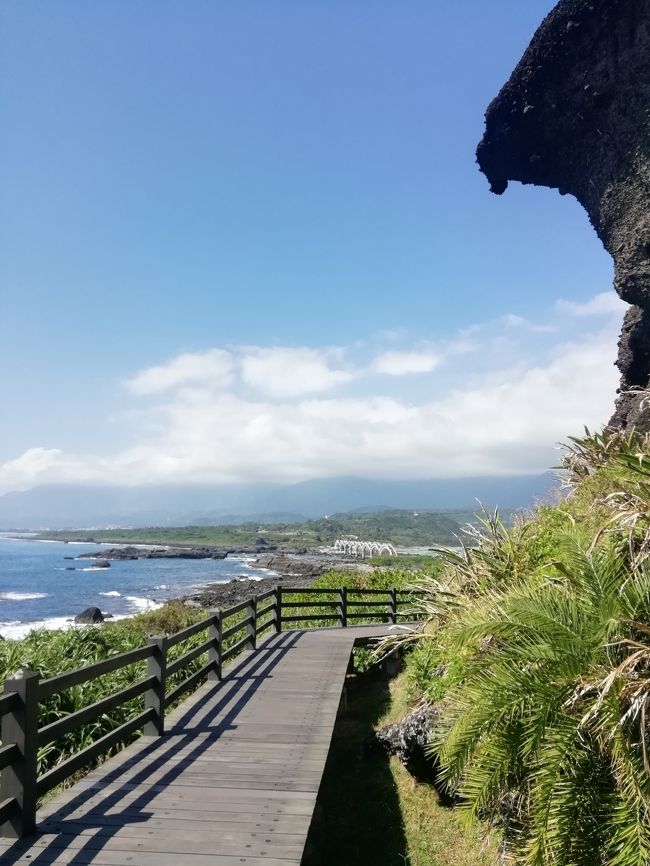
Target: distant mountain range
x,y
80,506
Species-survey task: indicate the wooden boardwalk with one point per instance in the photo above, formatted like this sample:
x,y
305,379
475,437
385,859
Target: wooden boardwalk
x,y
233,781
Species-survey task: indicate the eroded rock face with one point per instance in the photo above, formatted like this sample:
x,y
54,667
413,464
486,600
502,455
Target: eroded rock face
x,y
408,740
575,116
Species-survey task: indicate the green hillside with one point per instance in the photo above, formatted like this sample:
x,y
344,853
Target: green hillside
x,y
400,527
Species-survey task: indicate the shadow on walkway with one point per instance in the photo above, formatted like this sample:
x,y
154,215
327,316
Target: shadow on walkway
x,y
215,715
358,818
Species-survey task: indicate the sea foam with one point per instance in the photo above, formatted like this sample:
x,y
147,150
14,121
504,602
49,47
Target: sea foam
x,y
142,604
21,596
17,630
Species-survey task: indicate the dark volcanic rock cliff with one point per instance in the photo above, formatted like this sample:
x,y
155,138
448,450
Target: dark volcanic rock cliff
x,y
575,116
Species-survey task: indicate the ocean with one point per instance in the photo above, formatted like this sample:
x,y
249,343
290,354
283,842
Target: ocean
x,y
42,587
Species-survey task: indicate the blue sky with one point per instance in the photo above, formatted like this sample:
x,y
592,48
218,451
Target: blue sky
x,y
271,214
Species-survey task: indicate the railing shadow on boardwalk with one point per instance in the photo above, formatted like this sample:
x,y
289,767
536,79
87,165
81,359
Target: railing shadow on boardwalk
x,y
237,687
370,832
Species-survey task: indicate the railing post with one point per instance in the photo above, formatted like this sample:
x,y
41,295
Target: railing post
x,y
393,605
214,653
252,626
278,609
343,606
20,726
154,697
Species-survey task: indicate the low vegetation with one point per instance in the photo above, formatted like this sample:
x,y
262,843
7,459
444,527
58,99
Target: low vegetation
x,y
537,651
412,562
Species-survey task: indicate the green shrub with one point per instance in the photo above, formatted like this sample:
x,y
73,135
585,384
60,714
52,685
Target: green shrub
x,y
538,651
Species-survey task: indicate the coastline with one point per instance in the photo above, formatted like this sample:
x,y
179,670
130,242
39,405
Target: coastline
x,y
267,565
285,569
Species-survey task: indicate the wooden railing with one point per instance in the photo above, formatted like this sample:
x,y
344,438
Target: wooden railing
x,y
20,785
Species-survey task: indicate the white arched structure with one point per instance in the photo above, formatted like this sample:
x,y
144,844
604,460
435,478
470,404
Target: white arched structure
x,y
362,549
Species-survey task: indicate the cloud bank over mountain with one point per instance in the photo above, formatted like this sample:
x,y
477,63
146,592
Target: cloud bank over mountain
x,y
493,399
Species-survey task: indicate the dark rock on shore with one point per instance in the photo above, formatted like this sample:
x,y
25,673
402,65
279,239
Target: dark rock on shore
x,y
574,116
91,615
128,553
102,563
220,595
292,566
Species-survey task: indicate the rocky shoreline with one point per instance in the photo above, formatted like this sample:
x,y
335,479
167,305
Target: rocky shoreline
x,y
292,571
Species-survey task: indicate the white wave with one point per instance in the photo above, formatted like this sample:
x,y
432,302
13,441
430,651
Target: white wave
x,y
112,593
92,568
162,586
18,630
21,596
142,604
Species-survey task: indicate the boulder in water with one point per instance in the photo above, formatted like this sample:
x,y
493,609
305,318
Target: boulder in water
x,y
91,615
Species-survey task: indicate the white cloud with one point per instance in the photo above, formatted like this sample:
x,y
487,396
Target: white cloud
x,y
213,367
288,414
291,372
31,464
513,321
510,320
51,465
404,363
505,422
603,304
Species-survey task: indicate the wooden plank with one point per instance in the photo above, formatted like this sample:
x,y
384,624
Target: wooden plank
x,y
132,823
200,841
56,857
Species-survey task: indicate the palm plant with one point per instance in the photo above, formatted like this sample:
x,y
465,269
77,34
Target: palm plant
x,y
549,712
586,454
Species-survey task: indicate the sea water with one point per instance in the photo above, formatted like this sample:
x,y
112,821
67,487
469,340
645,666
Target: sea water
x,y
44,585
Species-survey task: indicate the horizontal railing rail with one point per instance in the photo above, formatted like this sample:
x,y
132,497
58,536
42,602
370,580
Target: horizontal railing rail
x,y
346,604
169,669
82,675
